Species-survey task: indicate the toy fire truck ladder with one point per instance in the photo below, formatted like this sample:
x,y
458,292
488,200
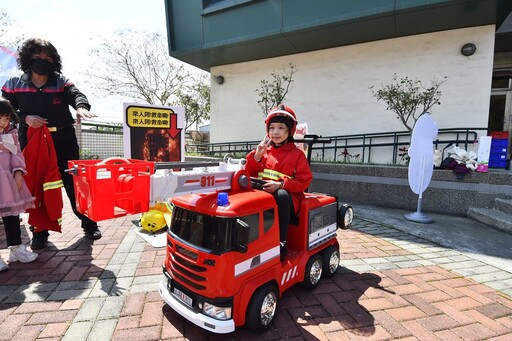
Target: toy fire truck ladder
x,y
204,177
117,186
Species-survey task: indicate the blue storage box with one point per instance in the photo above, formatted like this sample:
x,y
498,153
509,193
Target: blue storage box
x,y
499,143
498,150
498,157
497,164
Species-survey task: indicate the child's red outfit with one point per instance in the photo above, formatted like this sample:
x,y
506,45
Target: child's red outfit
x,y
286,163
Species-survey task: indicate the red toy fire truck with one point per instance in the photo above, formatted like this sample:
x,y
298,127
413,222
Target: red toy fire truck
x,y
222,267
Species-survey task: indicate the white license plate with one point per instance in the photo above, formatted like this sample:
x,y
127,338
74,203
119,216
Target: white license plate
x,y
183,297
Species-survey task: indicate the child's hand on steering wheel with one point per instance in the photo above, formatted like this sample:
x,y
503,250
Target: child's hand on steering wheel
x,y
272,186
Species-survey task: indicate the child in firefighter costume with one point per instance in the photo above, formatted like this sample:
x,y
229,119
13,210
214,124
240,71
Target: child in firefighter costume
x,y
284,167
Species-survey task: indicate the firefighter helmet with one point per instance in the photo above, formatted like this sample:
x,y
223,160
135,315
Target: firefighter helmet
x,y
282,111
153,221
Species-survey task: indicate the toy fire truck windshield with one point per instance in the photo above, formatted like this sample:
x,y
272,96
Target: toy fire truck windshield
x,y
203,231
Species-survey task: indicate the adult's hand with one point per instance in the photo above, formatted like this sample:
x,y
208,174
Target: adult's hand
x,y
82,113
35,121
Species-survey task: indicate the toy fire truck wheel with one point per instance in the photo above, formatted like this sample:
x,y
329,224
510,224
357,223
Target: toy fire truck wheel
x,y
345,216
262,308
331,259
313,272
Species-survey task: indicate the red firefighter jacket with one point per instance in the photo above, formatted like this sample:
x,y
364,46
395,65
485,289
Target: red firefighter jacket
x,y
286,163
43,180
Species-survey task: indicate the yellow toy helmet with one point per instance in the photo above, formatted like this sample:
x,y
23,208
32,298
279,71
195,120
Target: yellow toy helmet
x,y
153,220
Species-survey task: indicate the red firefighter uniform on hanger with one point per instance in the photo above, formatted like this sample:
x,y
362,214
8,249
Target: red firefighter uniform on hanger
x,y
43,180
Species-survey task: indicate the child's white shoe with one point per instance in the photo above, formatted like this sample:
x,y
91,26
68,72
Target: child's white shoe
x,y
3,265
19,253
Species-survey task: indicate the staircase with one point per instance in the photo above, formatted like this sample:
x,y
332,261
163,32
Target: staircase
x,y
499,216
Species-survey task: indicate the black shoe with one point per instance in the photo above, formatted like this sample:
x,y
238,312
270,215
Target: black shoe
x,y
92,233
39,240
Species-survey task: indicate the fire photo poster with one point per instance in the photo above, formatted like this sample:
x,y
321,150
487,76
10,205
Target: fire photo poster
x,y
154,133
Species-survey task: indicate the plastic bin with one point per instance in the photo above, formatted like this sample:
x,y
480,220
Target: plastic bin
x,y
497,164
498,157
111,188
498,150
499,143
499,135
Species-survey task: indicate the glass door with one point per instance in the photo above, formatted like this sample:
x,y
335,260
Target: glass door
x,y
500,109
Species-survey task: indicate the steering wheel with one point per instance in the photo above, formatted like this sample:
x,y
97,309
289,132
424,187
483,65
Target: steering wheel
x,y
257,183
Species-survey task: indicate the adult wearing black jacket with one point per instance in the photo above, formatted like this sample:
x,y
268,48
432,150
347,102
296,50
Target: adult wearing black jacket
x,y
42,96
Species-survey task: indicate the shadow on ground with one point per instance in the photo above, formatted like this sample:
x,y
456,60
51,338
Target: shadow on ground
x,y
58,275
300,311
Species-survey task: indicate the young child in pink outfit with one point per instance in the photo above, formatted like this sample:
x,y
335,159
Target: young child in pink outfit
x,y
15,197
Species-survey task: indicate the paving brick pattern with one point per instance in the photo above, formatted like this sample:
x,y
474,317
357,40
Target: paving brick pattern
x,y
389,286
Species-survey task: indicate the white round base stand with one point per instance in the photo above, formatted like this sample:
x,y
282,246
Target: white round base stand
x,y
418,217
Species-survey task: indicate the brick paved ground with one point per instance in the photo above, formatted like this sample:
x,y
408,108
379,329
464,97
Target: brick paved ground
x,y
390,285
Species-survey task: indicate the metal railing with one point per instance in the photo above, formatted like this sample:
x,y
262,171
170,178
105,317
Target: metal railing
x,y
387,147
99,141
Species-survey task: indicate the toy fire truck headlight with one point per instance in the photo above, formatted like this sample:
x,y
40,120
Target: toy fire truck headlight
x,y
220,313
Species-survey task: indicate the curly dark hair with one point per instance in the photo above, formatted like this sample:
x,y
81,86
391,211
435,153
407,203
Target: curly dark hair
x,y
7,110
33,46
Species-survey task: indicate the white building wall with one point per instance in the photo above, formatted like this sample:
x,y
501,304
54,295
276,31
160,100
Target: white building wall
x,y
331,87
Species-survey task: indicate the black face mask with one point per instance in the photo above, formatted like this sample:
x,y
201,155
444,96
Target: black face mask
x,y
41,66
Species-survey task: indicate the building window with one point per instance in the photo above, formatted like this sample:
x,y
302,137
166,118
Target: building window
x,y
501,83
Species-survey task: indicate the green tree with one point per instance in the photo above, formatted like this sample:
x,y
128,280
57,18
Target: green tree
x,y
10,35
137,66
408,98
273,92
195,98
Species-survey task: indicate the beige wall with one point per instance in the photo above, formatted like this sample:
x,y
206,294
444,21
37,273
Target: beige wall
x,y
331,87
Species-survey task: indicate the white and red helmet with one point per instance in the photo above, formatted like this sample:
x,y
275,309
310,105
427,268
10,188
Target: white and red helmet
x,y
282,111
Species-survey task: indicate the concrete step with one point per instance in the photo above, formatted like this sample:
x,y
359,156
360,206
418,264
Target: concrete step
x,y
497,219
503,205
